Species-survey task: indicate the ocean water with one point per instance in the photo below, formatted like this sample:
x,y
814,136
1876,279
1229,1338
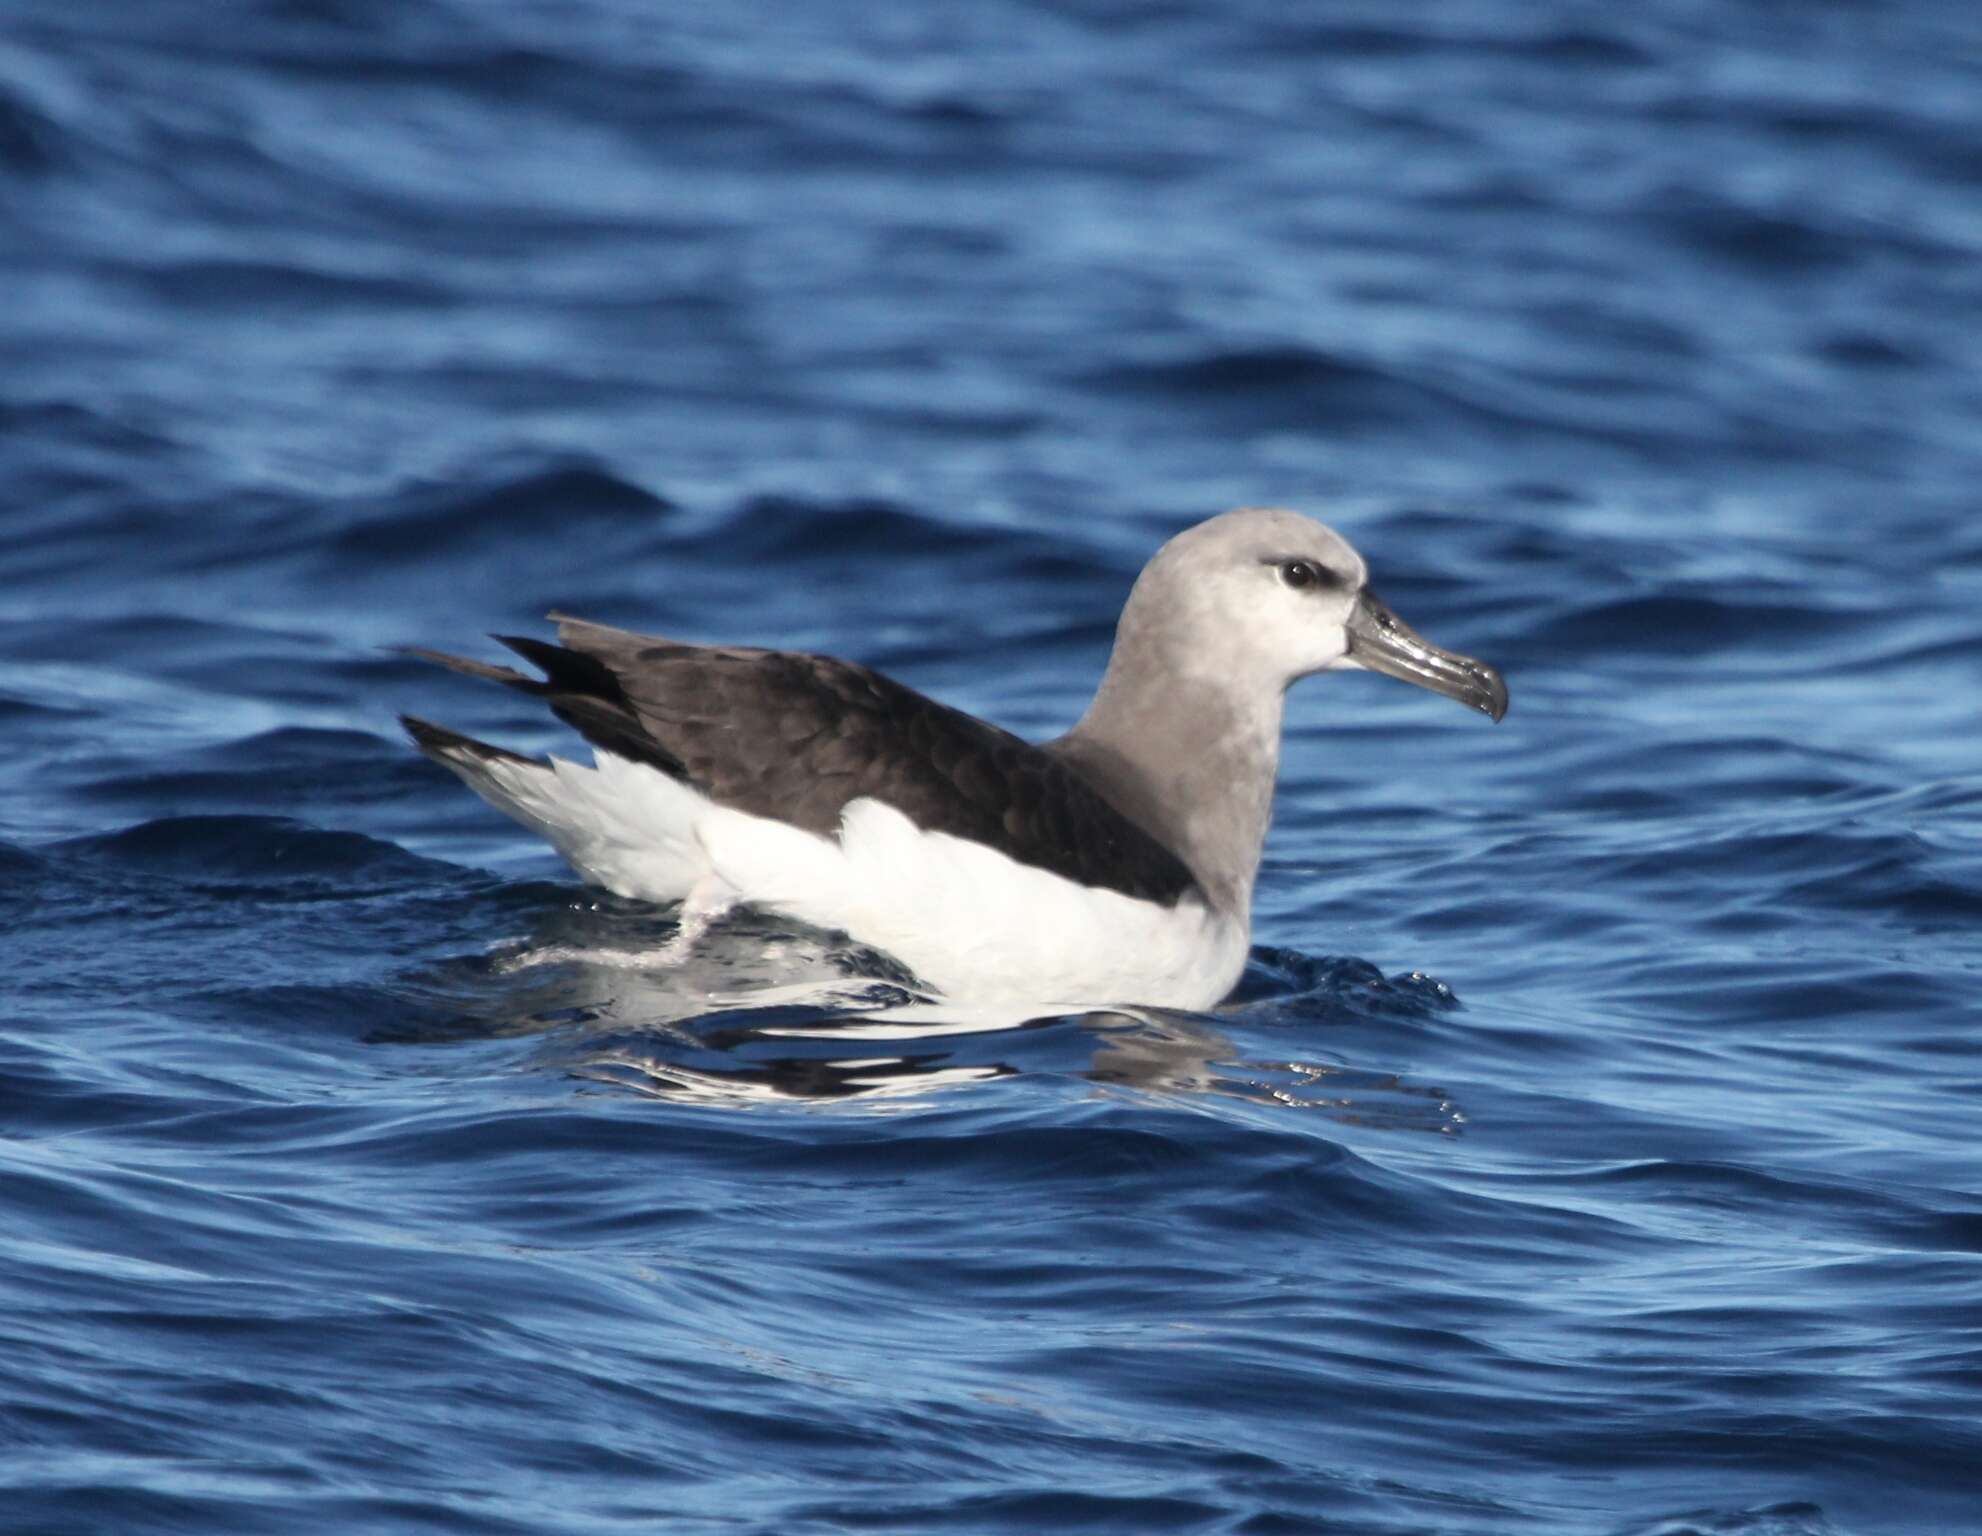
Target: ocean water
x,y
1592,1147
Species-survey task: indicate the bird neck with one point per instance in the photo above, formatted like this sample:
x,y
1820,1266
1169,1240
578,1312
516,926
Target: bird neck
x,y
1191,759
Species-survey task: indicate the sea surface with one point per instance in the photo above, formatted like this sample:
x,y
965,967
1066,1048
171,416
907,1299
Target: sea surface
x,y
1594,1147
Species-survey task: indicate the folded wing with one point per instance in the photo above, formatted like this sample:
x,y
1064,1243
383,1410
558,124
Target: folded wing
x,y
797,737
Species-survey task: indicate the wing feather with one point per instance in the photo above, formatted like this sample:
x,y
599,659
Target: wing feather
x,y
796,737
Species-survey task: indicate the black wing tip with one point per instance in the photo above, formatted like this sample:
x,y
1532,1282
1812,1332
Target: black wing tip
x,y
581,689
615,729
509,677
566,671
446,746
541,653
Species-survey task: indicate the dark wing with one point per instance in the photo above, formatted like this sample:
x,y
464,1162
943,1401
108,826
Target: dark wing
x,y
795,737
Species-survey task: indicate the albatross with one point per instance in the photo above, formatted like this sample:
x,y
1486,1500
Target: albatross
x,y
1113,865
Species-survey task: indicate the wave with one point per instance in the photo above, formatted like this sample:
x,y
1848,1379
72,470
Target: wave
x,y
535,508
1577,47
1273,386
1286,979
226,283
31,142
253,848
289,770
1693,624
1296,388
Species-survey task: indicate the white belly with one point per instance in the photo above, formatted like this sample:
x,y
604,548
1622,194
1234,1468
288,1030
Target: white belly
x,y
975,924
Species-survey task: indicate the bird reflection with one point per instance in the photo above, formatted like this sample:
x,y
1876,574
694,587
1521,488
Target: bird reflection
x,y
761,1013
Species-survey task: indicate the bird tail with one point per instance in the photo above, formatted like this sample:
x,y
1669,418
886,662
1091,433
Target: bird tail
x,y
518,786
618,824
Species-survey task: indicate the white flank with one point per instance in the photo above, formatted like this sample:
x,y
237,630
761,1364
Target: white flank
x,y
969,921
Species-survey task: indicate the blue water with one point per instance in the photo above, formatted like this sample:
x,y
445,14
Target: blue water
x,y
1593,1146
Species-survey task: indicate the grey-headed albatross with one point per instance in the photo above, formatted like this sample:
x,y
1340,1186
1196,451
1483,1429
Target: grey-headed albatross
x,y
1111,865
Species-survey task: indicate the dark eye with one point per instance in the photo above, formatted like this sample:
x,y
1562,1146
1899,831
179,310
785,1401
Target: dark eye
x,y
1300,574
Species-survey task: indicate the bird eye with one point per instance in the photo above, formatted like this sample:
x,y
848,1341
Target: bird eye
x,y
1299,574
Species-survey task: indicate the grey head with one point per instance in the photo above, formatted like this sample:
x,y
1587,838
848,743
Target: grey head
x,y
1184,733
